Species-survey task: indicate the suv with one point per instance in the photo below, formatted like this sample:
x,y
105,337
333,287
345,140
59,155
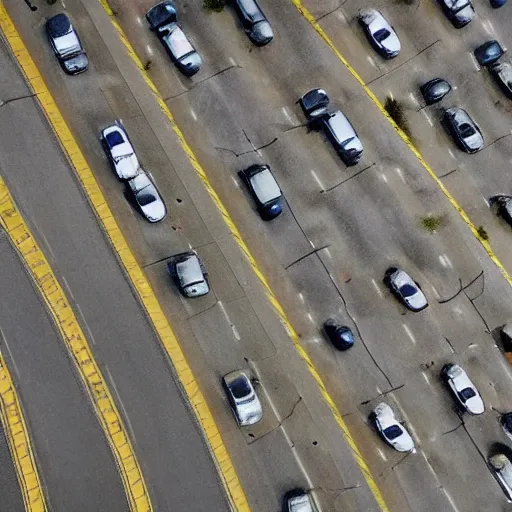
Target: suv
x,y
264,189
189,274
162,20
335,125
66,45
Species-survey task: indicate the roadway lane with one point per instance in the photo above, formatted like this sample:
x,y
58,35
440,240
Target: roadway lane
x,y
298,443
75,461
12,499
170,448
367,224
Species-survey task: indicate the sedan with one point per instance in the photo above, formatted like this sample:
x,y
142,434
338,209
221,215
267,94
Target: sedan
x,y
339,335
189,274
463,389
488,53
66,45
120,152
380,33
501,467
465,132
502,74
299,500
254,21
162,20
242,398
391,430
435,90
264,189
407,291
459,12
147,197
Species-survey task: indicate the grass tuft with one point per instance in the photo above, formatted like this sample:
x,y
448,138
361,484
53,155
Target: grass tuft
x,y
432,222
397,112
482,233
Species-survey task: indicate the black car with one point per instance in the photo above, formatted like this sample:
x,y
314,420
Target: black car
x,y
504,208
334,124
459,12
254,21
435,90
465,132
339,335
502,74
498,3
264,189
488,53
162,20
66,45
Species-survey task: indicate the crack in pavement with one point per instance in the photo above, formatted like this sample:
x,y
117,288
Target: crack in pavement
x,y
2,103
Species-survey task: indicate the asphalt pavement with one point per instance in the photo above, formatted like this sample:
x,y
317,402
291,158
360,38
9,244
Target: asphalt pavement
x,y
240,109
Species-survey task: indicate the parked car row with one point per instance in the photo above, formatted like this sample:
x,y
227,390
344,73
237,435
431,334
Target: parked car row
x,y
187,270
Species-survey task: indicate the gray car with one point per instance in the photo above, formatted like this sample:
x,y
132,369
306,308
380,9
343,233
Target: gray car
x,y
147,197
334,124
502,74
242,397
465,132
162,19
254,21
189,274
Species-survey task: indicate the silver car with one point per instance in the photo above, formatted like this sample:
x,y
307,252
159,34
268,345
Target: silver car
x,y
391,430
189,274
147,197
120,152
243,398
465,132
502,469
463,389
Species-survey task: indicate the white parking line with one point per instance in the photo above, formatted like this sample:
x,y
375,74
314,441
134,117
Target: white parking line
x,y
445,261
317,179
232,61
235,181
452,154
301,297
193,114
410,428
311,318
450,499
291,444
329,255
138,19
414,99
383,177
409,333
485,201
426,377
149,50
427,117
436,293
371,61
376,286
489,28
474,61
382,455
228,320
10,353
401,174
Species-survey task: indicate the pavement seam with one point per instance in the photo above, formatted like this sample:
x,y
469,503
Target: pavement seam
x,y
140,284
52,293
18,439
363,466
485,243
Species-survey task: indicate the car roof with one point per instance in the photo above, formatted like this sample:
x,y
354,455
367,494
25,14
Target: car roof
x,y
189,270
341,126
252,10
178,42
265,186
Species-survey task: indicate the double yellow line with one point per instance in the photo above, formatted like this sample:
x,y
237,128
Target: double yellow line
x,y
485,243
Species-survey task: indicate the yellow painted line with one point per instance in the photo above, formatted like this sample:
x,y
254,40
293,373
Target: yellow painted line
x,y
245,249
76,343
485,243
18,438
55,298
109,417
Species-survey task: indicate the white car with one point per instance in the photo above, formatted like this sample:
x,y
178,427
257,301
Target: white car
x,y
243,399
502,469
298,500
392,431
120,151
380,33
463,389
406,290
147,197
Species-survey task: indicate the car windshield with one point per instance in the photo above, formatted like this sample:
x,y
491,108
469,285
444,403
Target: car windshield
x,y
240,388
393,432
466,130
382,34
407,290
145,198
466,394
347,141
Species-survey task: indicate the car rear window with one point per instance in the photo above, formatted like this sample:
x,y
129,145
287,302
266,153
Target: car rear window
x,y
114,139
240,387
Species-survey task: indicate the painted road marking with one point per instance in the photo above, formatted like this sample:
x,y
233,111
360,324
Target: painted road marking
x,y
78,348
363,466
132,477
55,297
18,438
485,243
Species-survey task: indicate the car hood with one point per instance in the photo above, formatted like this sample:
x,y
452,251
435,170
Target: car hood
x,y
67,44
391,43
475,141
300,504
403,443
249,413
154,211
265,186
466,14
262,31
475,405
77,63
192,61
